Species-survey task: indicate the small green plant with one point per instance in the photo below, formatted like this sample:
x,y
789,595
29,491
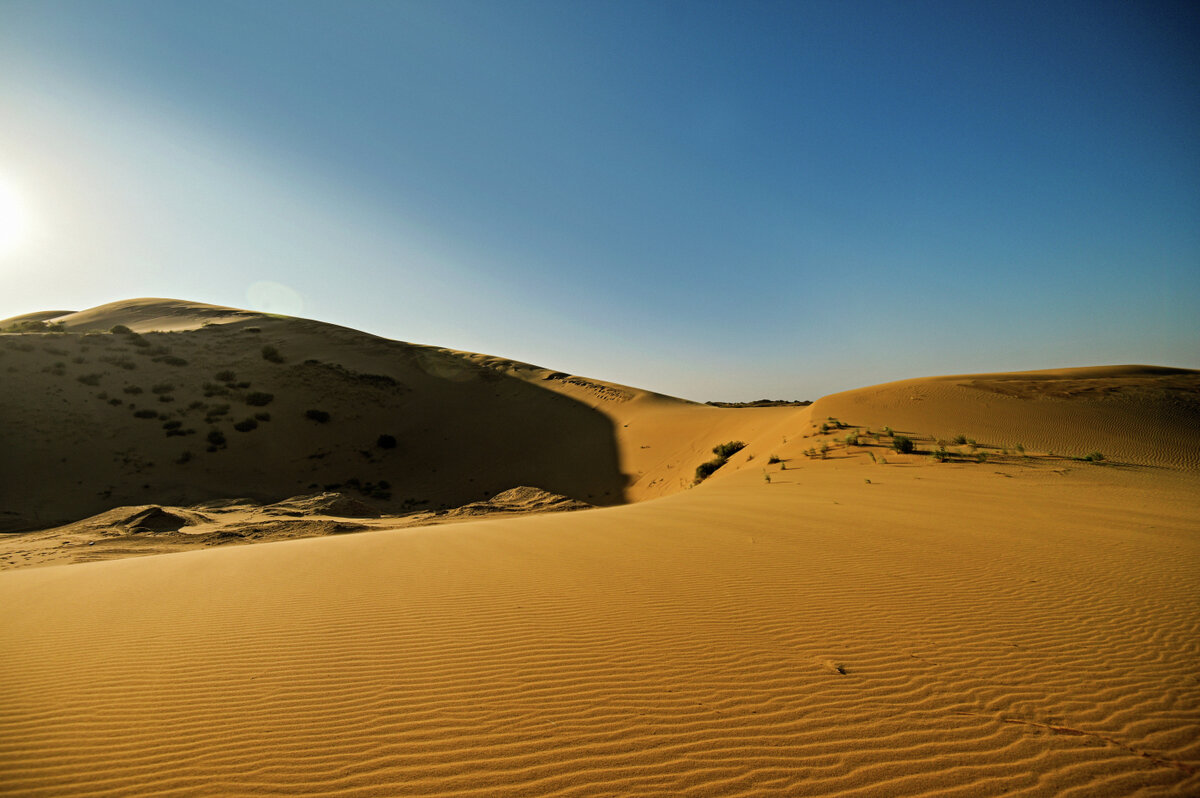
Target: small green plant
x,y
271,354
767,477
940,455
319,416
145,414
960,440
259,398
773,459
824,451
729,449
981,457
902,444
245,425
1093,457
852,439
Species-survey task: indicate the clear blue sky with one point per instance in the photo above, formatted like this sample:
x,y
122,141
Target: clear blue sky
x,y
716,200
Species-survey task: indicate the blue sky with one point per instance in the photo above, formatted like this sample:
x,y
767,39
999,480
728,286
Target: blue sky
x,y
716,200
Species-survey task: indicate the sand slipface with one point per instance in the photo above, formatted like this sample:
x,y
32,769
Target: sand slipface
x,y
821,616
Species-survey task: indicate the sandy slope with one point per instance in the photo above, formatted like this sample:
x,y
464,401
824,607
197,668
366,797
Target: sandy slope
x,y
945,629
847,621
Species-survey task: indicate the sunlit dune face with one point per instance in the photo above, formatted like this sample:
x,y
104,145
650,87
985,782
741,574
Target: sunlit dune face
x,y
13,222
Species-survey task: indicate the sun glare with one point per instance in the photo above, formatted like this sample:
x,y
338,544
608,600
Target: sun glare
x,y
13,222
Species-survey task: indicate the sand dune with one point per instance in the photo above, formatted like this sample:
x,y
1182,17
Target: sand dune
x,y
845,620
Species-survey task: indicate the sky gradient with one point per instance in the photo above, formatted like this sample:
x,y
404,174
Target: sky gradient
x,y
714,200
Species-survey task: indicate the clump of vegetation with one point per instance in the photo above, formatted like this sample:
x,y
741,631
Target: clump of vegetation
x,y
145,414
386,442
252,329
271,354
1093,457
319,416
215,412
723,452
171,360
186,457
89,379
120,362
961,440
162,387
216,439
940,455
121,329
852,439
262,416
981,457
773,459
132,389
259,398
213,389
168,425
902,444
245,425
226,376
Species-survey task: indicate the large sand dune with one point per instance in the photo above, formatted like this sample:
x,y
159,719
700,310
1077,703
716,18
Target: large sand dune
x,y
1006,622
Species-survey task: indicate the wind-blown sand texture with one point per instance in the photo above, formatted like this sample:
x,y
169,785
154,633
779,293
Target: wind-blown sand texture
x,y
1025,625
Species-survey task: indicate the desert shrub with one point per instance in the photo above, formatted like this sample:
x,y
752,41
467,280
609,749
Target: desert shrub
x,y
940,455
705,470
263,416
773,459
197,405
960,439
162,387
213,389
245,425
171,360
259,398
252,329
225,376
1093,457
319,416
172,424
216,437
902,444
89,379
271,354
166,397
386,442
824,451
115,401
119,362
145,414
852,439
120,329
727,450
133,389
981,457
140,342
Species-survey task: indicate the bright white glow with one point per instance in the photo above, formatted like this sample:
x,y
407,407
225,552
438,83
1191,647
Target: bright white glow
x,y
277,298
14,225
